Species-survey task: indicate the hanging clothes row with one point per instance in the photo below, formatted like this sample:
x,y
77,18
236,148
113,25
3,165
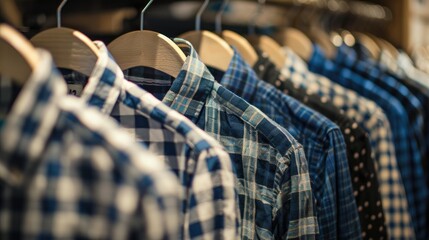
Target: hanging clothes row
x,y
212,136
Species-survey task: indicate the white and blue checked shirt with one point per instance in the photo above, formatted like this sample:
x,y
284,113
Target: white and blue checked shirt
x,y
204,169
371,118
68,173
272,176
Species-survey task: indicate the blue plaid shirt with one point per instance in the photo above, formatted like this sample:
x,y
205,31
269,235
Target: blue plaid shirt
x,y
373,120
209,209
68,173
368,69
407,152
272,176
323,144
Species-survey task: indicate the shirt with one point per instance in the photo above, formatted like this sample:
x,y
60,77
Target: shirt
x,y
371,118
361,164
323,144
405,116
209,203
67,173
272,176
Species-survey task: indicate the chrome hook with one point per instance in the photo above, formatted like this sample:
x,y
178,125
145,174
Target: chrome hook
x,y
142,14
59,9
199,14
218,26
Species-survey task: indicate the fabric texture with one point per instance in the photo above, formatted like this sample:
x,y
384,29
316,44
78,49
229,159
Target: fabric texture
x,y
361,164
323,144
373,120
68,173
405,115
209,209
272,176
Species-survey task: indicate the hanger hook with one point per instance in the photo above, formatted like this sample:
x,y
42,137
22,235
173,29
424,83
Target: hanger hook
x,y
252,23
219,15
142,14
59,12
199,14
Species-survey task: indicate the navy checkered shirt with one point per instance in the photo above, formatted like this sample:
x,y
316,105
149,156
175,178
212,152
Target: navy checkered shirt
x,y
209,209
272,178
323,144
66,172
407,153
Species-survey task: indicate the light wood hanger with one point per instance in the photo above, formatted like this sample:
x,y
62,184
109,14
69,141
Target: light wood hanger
x,y
297,41
240,43
18,58
212,49
385,45
267,44
70,49
369,44
147,49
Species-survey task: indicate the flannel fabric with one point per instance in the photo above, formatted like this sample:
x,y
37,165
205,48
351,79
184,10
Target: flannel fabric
x,y
272,176
361,164
371,118
67,173
378,75
406,118
323,144
209,209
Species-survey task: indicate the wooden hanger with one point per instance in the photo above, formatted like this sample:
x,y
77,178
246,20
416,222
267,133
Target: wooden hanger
x,y
236,40
369,44
297,41
18,58
70,49
265,43
147,49
212,49
270,47
242,45
323,39
385,45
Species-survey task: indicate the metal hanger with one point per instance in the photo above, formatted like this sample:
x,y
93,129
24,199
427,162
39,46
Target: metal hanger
x,y
18,58
267,44
212,49
69,48
147,49
236,40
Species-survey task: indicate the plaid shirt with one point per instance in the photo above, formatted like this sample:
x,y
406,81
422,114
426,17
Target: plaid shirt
x,y
67,173
323,144
371,118
359,152
272,176
405,115
209,209
374,72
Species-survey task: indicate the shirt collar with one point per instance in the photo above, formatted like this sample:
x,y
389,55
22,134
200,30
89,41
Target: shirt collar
x,y
192,86
105,83
31,120
240,78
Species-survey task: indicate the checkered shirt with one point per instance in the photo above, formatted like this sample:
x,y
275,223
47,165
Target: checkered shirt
x,y
371,118
67,173
272,176
209,203
378,74
407,123
323,144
